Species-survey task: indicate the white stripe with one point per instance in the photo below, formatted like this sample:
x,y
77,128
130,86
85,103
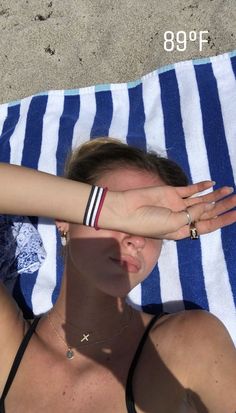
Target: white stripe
x,y
3,115
226,84
217,283
51,122
46,279
97,206
134,297
154,119
17,139
192,122
120,117
84,124
87,219
170,285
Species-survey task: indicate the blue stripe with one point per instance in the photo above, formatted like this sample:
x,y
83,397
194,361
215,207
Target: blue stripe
x,y
59,269
151,293
103,117
8,129
217,149
33,133
23,292
136,134
213,127
30,158
233,62
68,120
176,150
191,274
174,134
228,235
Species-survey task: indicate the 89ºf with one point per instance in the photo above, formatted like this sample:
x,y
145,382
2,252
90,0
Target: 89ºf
x,y
179,41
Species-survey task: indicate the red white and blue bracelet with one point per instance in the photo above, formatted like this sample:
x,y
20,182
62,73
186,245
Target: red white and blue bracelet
x,y
94,206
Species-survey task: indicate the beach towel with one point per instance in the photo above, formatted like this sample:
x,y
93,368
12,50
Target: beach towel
x,y
186,111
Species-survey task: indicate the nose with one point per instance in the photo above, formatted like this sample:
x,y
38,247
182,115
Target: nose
x,y
134,241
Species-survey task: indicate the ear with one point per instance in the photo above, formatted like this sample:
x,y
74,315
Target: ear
x,y
62,226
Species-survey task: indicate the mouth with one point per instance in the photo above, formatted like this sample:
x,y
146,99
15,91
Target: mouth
x,y
130,264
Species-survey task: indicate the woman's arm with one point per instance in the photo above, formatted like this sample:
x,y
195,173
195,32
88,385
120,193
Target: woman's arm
x,y
28,192
153,212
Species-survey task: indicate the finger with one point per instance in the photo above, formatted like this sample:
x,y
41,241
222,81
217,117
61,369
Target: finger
x,y
186,191
220,208
218,222
211,197
177,220
204,226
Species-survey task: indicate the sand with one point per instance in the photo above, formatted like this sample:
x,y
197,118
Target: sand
x,y
75,43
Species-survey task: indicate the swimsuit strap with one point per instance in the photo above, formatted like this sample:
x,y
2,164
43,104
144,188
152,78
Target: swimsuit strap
x,y
129,397
17,361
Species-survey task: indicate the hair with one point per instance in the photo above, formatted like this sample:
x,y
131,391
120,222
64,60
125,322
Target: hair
x,y
91,160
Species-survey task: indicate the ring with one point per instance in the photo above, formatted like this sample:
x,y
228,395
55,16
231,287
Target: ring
x,y
193,231
189,216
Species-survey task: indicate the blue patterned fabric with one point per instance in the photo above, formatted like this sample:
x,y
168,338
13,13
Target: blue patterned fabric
x,y
186,111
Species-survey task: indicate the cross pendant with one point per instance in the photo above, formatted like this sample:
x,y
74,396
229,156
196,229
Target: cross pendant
x,y
85,338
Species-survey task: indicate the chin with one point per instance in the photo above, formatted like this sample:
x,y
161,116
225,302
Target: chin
x,y
118,291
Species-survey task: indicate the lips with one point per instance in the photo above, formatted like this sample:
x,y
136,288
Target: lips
x,y
128,262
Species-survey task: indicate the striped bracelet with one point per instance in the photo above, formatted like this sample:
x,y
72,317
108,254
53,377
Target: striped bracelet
x,y
94,206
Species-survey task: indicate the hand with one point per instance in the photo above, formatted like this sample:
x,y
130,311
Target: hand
x,y
158,212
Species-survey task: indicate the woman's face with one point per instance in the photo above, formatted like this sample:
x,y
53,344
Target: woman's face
x,y
114,262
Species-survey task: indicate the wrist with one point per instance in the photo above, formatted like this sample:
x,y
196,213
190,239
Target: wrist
x,y
113,214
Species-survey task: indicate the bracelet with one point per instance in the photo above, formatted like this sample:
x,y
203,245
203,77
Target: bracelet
x,y
94,206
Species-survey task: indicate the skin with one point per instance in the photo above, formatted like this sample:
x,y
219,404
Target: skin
x,y
92,299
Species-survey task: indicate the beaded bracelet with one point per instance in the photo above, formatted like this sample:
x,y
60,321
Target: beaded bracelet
x,y
94,206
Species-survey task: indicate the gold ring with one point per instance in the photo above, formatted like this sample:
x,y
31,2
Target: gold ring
x,y
188,216
193,231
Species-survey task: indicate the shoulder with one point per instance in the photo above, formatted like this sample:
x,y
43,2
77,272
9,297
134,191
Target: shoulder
x,y
197,348
191,325
194,335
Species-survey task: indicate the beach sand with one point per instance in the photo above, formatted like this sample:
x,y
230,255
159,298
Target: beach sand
x,y
75,43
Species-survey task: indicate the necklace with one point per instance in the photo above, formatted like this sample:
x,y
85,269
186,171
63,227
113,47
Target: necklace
x,y
85,339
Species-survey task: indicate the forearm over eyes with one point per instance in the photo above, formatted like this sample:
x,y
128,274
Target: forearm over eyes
x,y
25,191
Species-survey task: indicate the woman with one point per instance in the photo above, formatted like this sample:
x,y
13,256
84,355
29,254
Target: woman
x,y
79,357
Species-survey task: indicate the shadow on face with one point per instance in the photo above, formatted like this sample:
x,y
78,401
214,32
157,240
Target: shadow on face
x,y
96,286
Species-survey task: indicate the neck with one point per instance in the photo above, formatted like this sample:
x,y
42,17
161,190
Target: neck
x,y
87,319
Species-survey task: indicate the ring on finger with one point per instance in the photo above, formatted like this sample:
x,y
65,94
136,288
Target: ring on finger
x,y
188,216
193,231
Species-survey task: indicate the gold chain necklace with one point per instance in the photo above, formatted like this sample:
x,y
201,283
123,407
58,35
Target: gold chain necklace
x,y
70,353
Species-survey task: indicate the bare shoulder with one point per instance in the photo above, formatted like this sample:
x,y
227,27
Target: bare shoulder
x,y
192,326
197,348
12,330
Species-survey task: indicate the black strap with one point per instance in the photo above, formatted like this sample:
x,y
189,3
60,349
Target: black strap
x,y
129,397
17,361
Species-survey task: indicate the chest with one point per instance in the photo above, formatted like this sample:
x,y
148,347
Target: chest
x,y
50,388
50,391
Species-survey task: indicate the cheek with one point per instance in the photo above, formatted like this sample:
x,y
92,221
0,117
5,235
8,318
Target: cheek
x,y
86,245
154,251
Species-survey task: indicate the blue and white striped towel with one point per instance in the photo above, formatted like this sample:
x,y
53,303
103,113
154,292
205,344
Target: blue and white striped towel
x,y
186,111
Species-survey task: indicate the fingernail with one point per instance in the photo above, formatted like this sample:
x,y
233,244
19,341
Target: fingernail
x,y
214,183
